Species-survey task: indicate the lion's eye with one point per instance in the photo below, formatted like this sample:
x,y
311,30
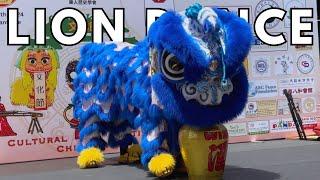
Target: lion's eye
x,y
171,67
32,61
45,60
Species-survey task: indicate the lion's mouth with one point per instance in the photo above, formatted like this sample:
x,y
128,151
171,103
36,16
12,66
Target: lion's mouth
x,y
33,73
207,92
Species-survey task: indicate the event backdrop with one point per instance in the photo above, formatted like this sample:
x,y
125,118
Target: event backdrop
x,y
35,116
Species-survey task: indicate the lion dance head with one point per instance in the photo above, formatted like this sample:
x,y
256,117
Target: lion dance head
x,y
39,61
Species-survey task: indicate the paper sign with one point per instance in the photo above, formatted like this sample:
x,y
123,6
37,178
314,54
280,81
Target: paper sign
x,y
40,98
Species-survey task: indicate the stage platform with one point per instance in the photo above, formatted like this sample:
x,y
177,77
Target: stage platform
x,y
281,159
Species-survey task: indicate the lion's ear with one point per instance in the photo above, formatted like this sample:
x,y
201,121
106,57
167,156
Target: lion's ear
x,y
238,38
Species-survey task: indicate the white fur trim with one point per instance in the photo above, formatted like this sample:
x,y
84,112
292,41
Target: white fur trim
x,y
156,131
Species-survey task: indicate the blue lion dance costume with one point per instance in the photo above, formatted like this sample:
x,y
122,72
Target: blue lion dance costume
x,y
187,71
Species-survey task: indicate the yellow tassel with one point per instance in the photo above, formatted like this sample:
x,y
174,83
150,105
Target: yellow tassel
x,y
90,158
162,165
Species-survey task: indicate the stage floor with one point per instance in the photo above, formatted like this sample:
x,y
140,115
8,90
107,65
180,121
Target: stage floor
x,y
282,159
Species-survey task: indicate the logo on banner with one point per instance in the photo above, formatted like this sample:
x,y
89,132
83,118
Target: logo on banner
x,y
283,65
305,63
4,3
282,125
267,4
251,109
309,105
263,88
289,4
258,127
261,67
236,129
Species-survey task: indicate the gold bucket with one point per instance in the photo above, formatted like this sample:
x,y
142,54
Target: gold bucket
x,y
204,151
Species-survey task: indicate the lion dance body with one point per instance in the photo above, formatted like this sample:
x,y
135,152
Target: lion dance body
x,y
187,71
35,60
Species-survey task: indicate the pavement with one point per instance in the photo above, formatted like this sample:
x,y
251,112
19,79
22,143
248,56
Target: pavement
x,y
267,160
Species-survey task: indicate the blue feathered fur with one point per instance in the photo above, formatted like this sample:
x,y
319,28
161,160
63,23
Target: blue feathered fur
x,y
120,79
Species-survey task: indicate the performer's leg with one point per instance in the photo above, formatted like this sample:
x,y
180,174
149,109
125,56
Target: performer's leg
x,y
91,144
156,155
120,136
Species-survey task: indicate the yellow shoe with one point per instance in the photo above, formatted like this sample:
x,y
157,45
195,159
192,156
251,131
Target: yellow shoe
x,y
90,158
162,165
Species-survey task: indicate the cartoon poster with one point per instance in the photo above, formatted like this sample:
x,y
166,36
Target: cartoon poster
x,y
36,82
36,86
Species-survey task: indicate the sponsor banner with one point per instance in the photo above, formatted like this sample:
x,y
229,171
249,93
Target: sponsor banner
x,y
236,129
260,67
289,4
258,127
282,125
298,90
309,105
283,65
267,108
261,108
283,107
309,122
263,88
259,46
297,81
